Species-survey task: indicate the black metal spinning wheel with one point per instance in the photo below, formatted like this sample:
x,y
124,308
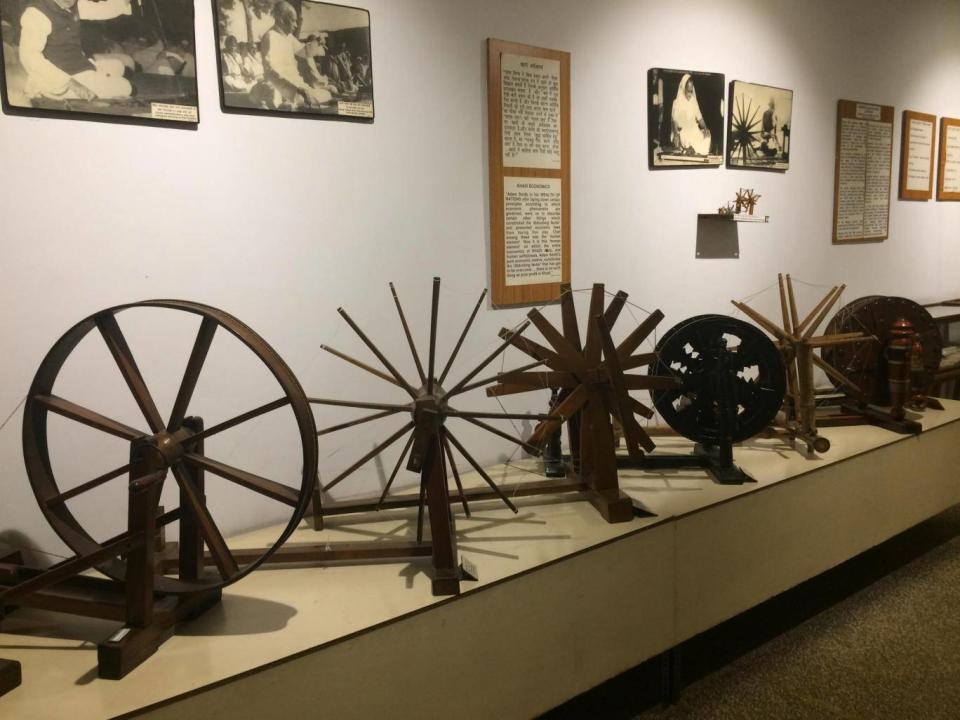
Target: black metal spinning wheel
x,y
179,444
732,379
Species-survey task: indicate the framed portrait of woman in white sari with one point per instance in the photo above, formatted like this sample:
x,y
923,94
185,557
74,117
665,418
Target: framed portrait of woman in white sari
x,y
685,118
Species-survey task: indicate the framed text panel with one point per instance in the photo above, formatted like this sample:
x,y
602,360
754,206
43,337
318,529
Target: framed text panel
x,y
948,176
861,188
918,137
528,105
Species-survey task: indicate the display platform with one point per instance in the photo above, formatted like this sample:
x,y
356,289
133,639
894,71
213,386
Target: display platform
x,y
563,602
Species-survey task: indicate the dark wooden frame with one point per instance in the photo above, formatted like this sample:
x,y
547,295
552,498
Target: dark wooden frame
x,y
945,122
908,117
232,109
729,123
18,110
848,109
501,293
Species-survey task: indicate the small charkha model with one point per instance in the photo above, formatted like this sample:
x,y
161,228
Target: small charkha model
x,y
798,343
746,200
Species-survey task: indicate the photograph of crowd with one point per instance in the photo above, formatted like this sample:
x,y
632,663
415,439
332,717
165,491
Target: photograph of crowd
x,y
129,58
295,56
685,116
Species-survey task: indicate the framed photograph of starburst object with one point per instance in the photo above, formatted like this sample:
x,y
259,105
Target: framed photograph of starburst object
x,y
758,130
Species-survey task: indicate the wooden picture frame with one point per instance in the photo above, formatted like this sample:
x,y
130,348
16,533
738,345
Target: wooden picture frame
x,y
333,75
759,120
862,129
948,174
149,77
509,291
913,141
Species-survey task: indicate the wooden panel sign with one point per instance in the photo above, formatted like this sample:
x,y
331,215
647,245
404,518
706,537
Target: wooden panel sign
x,y
948,177
528,105
916,155
861,187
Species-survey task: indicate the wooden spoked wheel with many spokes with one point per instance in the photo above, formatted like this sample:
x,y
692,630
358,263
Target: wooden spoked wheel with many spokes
x,y
173,444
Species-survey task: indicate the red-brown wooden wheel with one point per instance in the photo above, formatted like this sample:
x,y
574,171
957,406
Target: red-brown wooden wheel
x,y
180,445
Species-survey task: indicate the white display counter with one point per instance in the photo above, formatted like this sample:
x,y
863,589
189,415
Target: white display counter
x,y
564,600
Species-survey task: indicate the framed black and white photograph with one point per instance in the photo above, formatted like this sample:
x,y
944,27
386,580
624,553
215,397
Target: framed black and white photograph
x,y
295,56
685,111
133,59
759,126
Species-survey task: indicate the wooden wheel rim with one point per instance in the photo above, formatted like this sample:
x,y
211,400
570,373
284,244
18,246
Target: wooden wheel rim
x,y
36,450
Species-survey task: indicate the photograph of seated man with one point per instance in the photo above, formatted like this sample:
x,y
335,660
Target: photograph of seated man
x,y
295,56
114,57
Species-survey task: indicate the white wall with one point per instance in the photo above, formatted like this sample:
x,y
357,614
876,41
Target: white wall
x,y
281,220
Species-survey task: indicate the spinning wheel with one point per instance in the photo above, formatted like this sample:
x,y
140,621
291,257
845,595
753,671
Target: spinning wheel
x,y
173,444
594,385
430,444
732,379
865,364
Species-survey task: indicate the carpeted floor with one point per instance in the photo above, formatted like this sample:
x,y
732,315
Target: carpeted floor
x,y
877,637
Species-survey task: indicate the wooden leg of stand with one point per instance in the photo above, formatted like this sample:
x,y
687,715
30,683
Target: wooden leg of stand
x,y
140,637
191,541
443,539
10,676
601,472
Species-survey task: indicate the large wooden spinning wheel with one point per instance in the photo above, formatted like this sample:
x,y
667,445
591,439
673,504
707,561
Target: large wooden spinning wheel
x,y
171,443
866,363
594,386
430,444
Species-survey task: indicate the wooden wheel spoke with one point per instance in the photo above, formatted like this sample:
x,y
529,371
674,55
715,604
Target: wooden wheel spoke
x,y
269,488
87,417
614,309
760,320
359,364
640,409
198,356
639,334
592,347
242,418
532,449
376,451
511,389
568,313
376,351
396,469
463,335
456,473
224,560
836,374
567,407
508,339
500,415
620,401
89,485
480,471
649,382
535,350
406,331
831,300
434,312
358,404
358,421
543,380
495,378
635,361
122,355
571,358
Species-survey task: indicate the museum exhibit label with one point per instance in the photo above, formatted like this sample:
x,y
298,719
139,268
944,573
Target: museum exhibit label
x,y
861,198
916,155
528,107
948,177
